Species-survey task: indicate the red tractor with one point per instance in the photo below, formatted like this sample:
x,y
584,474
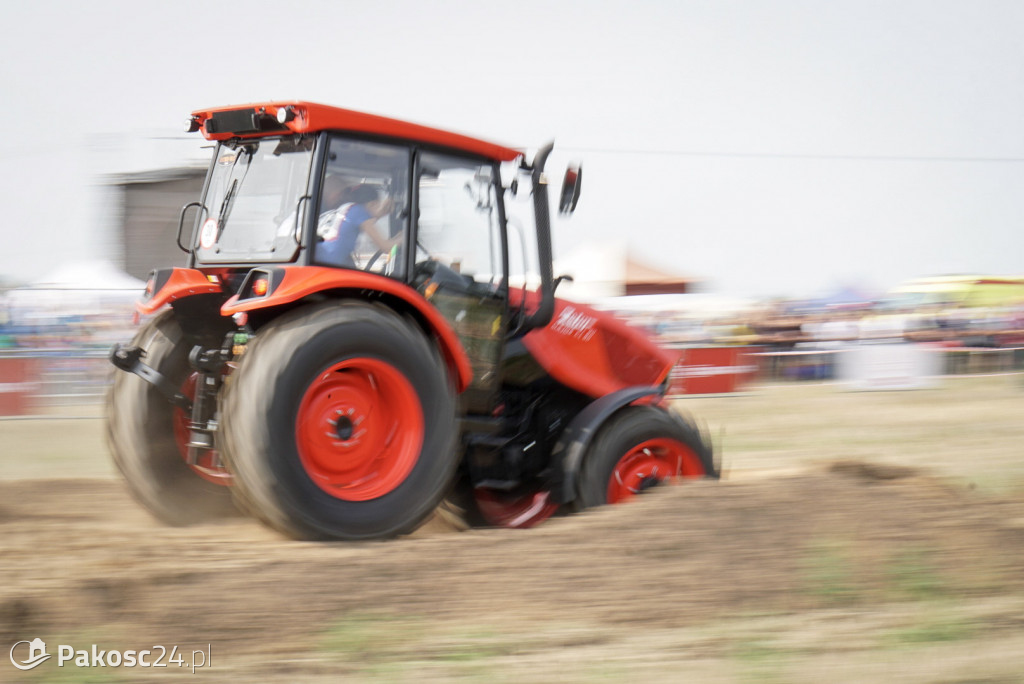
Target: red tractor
x,y
367,325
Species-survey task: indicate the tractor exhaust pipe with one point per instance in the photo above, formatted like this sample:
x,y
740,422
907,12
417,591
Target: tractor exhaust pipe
x,y
546,311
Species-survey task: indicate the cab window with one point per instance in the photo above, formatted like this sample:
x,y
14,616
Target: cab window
x,y
458,225
363,209
460,263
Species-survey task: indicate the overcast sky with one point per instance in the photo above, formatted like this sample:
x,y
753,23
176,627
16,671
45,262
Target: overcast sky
x,y
768,147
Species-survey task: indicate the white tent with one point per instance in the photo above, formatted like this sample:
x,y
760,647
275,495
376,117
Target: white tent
x,y
87,275
83,288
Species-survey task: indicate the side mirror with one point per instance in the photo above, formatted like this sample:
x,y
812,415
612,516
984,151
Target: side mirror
x,y
570,189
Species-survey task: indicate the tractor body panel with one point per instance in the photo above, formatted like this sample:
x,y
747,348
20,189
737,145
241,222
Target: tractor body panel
x,y
595,353
173,284
261,119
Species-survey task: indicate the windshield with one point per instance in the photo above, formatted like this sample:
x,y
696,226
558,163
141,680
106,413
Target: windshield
x,y
255,203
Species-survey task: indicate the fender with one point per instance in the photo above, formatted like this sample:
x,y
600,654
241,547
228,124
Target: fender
x,y
168,285
287,284
575,439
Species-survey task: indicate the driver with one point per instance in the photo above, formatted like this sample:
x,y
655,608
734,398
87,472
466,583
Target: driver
x,y
361,206
334,194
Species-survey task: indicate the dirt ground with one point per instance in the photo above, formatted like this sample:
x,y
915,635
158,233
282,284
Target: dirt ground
x,y
856,537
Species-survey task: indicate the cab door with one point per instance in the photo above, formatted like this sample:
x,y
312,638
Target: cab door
x,y
460,262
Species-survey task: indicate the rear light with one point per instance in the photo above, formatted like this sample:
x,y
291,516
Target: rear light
x,y
149,287
260,286
260,283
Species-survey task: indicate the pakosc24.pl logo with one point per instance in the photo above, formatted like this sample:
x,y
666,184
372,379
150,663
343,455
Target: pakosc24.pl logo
x,y
26,658
36,654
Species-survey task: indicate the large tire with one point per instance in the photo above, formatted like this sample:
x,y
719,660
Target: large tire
x,y
639,447
142,438
339,423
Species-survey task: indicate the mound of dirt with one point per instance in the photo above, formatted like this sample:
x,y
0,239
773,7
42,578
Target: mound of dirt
x,y
81,557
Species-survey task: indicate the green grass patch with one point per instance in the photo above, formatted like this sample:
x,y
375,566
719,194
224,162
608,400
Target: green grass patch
x,y
912,574
474,645
371,638
758,660
935,625
395,648
830,573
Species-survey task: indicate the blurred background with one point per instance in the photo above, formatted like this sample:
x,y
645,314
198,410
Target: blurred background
x,y
782,159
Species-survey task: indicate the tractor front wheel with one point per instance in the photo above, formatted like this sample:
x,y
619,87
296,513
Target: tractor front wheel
x,y
148,436
339,423
638,448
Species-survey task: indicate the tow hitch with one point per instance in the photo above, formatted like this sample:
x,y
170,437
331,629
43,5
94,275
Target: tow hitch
x,y
129,359
196,397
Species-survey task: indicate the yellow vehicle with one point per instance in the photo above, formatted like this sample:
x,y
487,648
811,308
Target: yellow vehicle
x,y
963,291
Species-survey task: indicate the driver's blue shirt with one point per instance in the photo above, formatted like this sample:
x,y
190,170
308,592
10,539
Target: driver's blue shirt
x,y
339,230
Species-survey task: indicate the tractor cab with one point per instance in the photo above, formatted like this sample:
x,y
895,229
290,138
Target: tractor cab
x,y
366,327
430,216
357,197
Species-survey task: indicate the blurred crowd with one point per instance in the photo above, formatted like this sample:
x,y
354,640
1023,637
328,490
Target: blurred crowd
x,y
72,333
782,325
65,321
786,326
791,341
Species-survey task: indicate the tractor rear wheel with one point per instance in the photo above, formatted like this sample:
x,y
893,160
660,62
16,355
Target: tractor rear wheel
x,y
638,448
148,435
339,423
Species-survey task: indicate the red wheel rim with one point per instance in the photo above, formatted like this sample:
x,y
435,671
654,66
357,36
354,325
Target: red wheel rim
x,y
514,511
648,463
359,429
208,466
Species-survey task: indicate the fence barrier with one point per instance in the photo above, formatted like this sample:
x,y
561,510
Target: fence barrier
x,y
37,381
40,382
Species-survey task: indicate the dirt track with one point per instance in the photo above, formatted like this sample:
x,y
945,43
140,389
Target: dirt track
x,y
843,570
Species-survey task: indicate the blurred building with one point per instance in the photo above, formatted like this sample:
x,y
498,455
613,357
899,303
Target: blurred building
x,y
606,268
644,279
151,205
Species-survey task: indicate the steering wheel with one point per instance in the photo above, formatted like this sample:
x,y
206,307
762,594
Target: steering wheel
x,y
389,266
397,257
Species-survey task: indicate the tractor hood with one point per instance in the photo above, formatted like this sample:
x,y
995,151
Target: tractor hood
x,y
594,352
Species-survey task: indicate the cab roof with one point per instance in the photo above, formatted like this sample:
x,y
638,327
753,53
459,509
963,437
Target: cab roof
x,y
275,118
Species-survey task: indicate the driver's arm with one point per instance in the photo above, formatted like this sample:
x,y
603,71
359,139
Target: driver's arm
x,y
370,228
